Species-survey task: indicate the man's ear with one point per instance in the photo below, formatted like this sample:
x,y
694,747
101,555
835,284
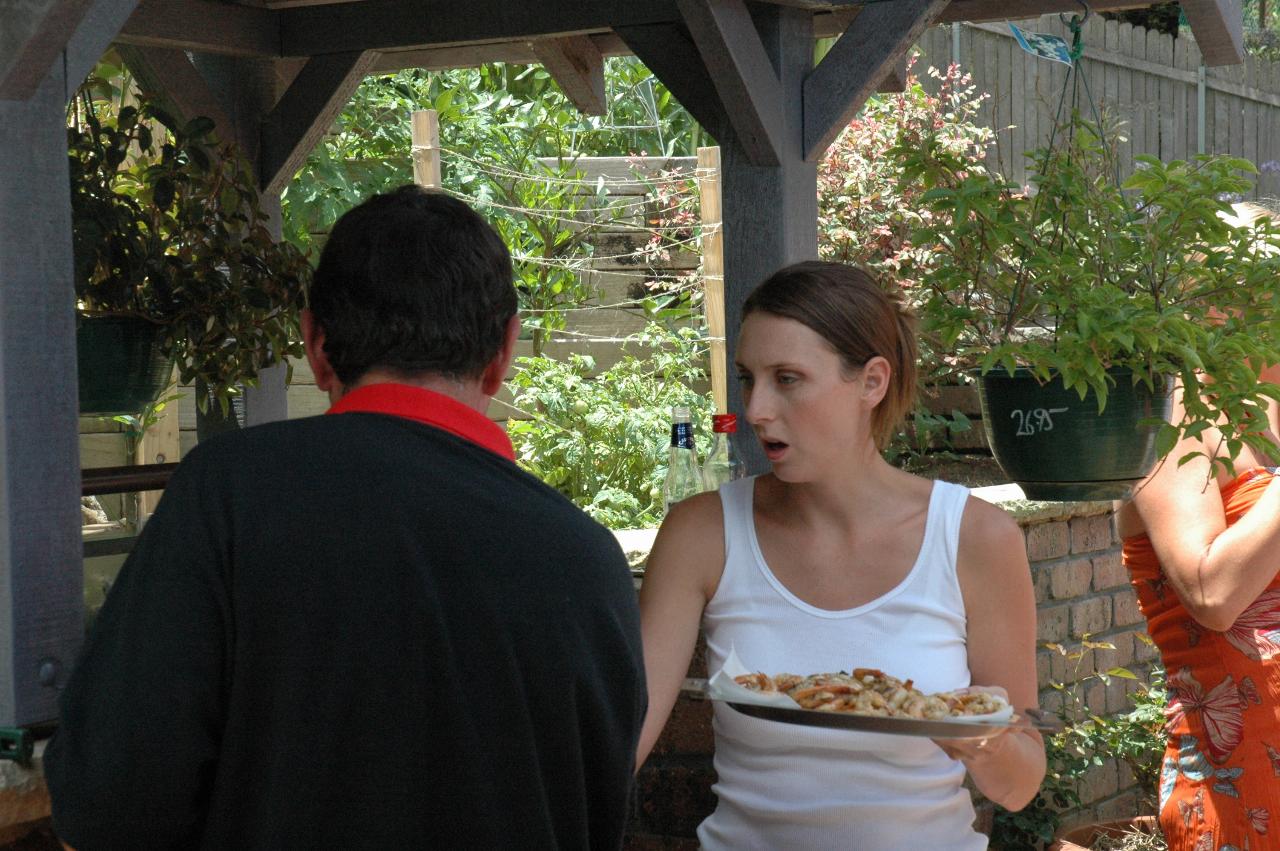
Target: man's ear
x,y
494,374
313,344
875,375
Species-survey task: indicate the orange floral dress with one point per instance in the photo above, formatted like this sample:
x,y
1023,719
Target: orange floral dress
x,y
1220,779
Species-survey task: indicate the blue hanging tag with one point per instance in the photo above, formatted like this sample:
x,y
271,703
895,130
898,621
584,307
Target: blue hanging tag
x,y
1043,45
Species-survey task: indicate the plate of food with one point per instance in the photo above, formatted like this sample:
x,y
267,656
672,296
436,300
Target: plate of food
x,y
860,699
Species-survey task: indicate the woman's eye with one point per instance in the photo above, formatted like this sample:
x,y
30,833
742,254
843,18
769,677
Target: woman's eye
x,y
787,379
743,378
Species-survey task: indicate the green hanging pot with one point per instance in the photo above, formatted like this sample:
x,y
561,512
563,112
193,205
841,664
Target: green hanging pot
x,y
1057,446
121,366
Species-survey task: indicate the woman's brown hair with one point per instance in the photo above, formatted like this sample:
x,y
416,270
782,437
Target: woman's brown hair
x,y
858,317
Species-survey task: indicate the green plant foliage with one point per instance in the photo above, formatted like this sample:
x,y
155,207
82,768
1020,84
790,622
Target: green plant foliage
x,y
1087,739
867,215
167,226
1081,274
602,441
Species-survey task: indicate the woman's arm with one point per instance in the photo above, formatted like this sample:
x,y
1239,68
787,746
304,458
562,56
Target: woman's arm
x,y
1000,605
681,575
1216,571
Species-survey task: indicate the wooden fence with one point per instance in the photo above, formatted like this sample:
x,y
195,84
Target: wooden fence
x,y
1172,107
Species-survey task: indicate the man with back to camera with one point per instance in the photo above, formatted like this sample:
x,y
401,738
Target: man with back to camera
x,y
367,629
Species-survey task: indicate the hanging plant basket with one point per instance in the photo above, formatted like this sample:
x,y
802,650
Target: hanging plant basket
x,y
1057,446
121,366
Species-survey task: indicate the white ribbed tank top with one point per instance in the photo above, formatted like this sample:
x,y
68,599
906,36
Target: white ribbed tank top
x,y
782,786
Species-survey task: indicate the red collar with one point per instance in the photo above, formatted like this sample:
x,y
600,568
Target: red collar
x,y
427,406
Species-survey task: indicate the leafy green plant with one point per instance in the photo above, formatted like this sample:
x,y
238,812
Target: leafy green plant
x,y
1087,740
167,227
602,440
1079,275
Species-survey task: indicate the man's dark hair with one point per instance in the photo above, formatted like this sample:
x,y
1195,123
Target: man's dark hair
x,y
414,282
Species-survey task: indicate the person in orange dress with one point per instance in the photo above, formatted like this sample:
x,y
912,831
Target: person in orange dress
x,y
1202,546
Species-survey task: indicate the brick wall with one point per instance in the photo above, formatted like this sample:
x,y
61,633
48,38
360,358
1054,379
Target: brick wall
x,y
1081,591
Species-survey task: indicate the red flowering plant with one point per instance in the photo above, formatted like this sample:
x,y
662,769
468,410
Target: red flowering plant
x,y
866,213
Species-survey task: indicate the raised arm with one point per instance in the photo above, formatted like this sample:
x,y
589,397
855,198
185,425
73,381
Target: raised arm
x,y
1216,571
681,575
1001,610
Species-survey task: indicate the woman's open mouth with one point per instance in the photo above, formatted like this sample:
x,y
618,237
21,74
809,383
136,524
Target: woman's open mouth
x,y
774,449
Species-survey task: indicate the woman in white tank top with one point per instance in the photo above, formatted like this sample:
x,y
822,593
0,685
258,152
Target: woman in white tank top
x,y
837,560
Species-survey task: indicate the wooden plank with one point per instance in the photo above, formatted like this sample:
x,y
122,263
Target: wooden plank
x,y
1168,89
204,26
1218,26
472,55
384,24
577,66
1183,102
1249,116
1151,103
169,78
669,52
425,135
745,82
33,36
837,88
1020,63
158,446
306,112
41,572
713,271
1135,42
977,11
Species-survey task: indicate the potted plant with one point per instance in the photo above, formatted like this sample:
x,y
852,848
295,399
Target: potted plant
x,y
1077,299
174,262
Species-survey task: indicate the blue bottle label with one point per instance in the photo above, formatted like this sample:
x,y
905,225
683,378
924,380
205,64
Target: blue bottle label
x,y
682,435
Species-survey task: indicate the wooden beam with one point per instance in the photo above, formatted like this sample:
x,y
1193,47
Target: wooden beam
x,y
169,77
31,37
41,561
669,52
1218,26
895,79
388,25
577,65
977,11
873,45
471,55
744,79
205,27
93,36
306,112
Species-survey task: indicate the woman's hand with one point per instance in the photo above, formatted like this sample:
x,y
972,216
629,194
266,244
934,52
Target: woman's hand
x,y
969,749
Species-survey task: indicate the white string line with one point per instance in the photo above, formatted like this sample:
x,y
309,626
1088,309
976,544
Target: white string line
x,y
549,214
637,202
666,177
620,305
591,338
591,258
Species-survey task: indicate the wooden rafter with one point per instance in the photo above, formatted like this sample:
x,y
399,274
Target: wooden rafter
x,y
978,11
744,78
1218,26
31,39
669,52
385,25
204,26
169,77
873,46
577,65
306,112
471,55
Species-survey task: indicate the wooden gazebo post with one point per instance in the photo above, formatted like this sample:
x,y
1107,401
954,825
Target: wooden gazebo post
x,y
43,57
746,73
